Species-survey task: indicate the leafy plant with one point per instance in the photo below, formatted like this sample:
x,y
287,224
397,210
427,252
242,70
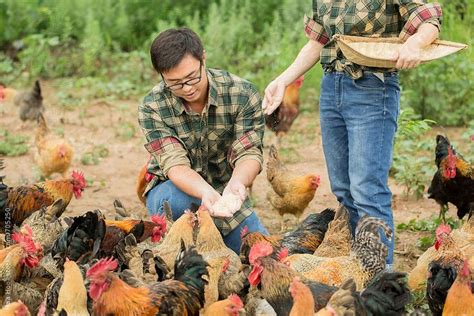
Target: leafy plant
x,y
126,131
13,145
94,156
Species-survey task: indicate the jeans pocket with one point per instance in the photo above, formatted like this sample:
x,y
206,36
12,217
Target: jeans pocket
x,y
369,81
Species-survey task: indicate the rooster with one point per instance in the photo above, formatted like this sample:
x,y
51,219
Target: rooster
x,y
183,295
18,203
460,299
290,194
386,294
440,279
30,103
366,259
453,182
154,228
282,118
54,154
144,177
305,238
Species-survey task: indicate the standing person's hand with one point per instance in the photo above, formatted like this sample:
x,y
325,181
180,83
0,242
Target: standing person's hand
x,y
209,197
408,55
273,96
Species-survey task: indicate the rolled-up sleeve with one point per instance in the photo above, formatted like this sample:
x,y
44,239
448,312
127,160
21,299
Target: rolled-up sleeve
x,y
249,129
313,27
417,12
162,141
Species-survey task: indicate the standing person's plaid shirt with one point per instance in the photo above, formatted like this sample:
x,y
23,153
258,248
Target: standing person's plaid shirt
x,y
391,18
229,130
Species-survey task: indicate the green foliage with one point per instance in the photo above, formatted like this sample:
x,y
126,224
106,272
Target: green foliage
x,y
126,131
411,166
12,145
94,156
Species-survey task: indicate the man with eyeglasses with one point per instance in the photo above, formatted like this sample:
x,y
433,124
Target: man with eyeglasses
x,y
204,129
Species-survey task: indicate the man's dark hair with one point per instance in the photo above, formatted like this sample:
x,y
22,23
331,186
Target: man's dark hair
x,y
170,46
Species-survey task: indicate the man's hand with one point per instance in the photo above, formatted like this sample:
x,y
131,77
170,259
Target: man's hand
x,y
237,188
231,201
408,55
209,197
273,96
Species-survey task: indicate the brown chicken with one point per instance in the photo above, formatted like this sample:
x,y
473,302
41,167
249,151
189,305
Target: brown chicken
x,y
30,103
54,154
460,299
182,229
303,302
24,252
184,295
459,244
224,264
366,259
15,309
385,294
155,228
20,202
282,118
337,241
305,238
231,306
291,194
453,182
144,177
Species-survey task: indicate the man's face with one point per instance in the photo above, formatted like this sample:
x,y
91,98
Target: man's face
x,y
189,69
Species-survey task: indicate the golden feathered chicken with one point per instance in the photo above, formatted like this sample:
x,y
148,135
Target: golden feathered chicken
x,y
291,194
54,154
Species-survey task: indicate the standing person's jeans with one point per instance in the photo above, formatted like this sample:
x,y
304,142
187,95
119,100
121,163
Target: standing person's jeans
x,y
358,125
180,201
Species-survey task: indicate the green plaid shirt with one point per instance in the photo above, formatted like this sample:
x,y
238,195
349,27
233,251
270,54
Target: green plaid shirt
x,y
229,130
391,18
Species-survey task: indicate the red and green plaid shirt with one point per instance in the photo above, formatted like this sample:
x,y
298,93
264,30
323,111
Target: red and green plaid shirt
x,y
391,18
229,130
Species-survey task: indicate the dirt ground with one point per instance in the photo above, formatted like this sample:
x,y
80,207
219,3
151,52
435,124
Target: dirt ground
x,y
100,124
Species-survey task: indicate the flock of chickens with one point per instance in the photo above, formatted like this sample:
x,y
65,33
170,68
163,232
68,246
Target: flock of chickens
x,y
51,264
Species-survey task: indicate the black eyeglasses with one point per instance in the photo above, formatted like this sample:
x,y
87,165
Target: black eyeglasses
x,y
189,82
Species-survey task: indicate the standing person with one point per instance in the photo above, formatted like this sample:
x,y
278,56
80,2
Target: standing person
x,y
204,129
359,105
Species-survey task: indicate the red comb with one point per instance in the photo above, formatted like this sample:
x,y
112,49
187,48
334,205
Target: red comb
x,y
443,228
282,254
260,249
235,299
160,220
102,266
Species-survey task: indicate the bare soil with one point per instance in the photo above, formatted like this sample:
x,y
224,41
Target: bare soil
x,y
101,123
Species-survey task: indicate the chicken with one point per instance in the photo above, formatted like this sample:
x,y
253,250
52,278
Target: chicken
x,y
224,264
182,229
45,224
455,247
184,295
460,299
22,201
144,177
281,120
81,241
385,294
7,94
30,103
72,296
303,302
366,259
25,252
231,306
54,154
155,228
453,182
305,238
440,279
15,309
342,302
290,194
338,237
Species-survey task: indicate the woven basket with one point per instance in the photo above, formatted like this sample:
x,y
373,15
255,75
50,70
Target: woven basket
x,y
379,51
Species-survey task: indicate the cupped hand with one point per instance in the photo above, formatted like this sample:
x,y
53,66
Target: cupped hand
x,y
209,197
273,96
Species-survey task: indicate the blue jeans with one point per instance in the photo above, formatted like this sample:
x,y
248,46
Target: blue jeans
x,y
180,201
358,125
